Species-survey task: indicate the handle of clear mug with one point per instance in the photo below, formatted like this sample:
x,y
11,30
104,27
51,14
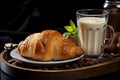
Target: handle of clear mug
x,y
111,35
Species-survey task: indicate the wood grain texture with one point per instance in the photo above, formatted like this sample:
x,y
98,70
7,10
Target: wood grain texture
x,y
70,74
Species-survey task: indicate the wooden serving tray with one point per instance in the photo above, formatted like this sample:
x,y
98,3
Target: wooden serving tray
x,y
62,74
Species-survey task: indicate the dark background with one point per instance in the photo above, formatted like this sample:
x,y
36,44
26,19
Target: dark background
x,y
19,18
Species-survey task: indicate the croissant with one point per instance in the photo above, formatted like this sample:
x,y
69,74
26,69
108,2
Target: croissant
x,y
47,46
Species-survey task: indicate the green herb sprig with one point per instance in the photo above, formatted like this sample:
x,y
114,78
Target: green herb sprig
x,y
72,30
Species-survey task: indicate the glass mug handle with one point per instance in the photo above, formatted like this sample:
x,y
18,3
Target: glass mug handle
x,y
110,34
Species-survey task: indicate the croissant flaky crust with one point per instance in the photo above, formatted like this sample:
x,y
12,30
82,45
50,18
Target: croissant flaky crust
x,y
47,46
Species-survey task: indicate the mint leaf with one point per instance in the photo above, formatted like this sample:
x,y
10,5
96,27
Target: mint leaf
x,y
72,30
72,25
69,28
75,36
66,34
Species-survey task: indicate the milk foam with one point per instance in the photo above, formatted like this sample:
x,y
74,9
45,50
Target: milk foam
x,y
92,22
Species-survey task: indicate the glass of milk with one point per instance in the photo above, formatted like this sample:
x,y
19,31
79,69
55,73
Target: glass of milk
x,y
92,25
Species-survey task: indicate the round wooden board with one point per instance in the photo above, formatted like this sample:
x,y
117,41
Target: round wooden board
x,y
69,74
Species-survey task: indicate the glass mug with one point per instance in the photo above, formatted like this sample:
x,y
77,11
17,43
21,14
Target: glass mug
x,y
92,26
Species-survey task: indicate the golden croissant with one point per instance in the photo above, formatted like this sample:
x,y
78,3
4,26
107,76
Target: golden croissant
x,y
48,45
